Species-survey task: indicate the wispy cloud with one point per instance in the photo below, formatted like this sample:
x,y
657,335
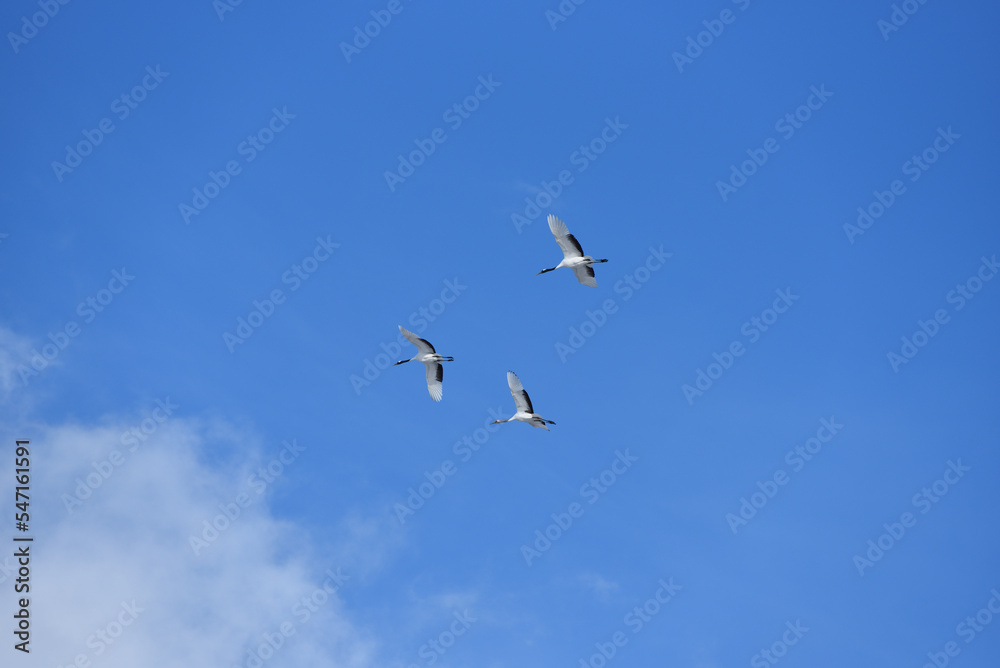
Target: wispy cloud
x,y
603,589
14,350
117,582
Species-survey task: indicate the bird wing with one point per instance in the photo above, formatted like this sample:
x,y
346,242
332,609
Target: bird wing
x,y
567,242
517,391
435,374
539,422
585,274
422,345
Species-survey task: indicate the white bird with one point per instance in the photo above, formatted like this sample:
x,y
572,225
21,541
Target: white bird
x,y
573,257
430,358
525,413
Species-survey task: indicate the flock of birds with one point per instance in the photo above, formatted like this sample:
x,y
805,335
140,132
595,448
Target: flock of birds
x,y
573,257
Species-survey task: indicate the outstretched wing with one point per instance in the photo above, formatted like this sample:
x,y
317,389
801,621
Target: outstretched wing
x,y
435,374
422,345
585,274
567,242
539,422
517,391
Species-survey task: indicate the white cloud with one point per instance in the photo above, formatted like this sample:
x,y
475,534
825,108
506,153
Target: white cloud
x,y
129,541
115,580
14,350
602,588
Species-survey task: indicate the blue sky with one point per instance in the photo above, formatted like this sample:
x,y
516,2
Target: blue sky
x,y
745,321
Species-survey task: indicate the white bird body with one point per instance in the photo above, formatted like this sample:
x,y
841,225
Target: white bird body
x,y
525,412
431,360
573,257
